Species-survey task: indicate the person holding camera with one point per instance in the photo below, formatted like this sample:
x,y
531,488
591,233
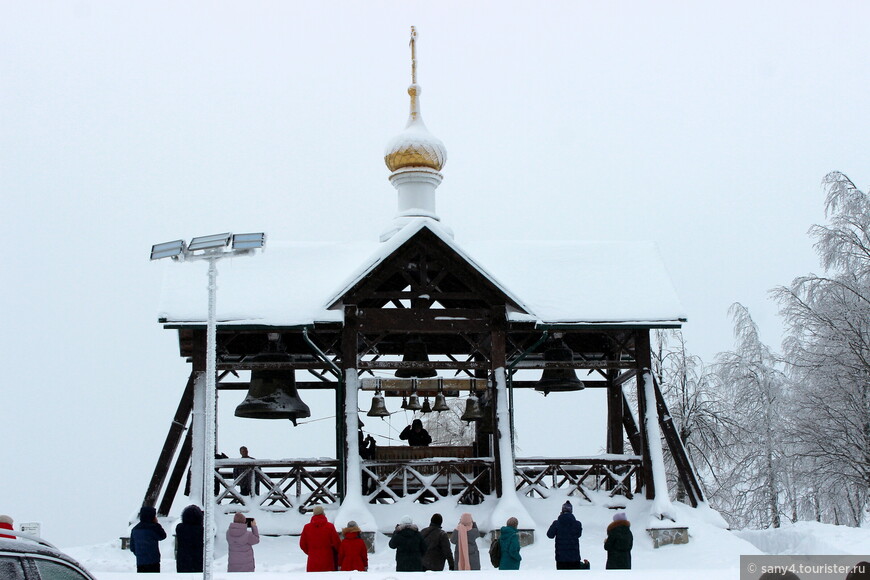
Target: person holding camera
x,y
241,537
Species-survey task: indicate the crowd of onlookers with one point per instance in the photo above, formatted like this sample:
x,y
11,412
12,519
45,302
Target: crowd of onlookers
x,y
431,548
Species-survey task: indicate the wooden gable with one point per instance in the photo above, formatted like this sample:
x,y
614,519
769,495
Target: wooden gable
x,y
426,272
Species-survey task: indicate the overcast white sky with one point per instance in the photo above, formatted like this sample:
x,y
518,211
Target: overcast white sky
x,y
705,127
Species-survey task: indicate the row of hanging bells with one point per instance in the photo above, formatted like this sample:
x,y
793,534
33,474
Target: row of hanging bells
x,y
273,395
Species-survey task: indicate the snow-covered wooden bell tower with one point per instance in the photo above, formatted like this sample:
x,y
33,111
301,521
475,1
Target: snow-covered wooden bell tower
x,y
414,314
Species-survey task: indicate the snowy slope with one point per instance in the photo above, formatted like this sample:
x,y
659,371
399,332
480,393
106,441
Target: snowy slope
x,y
713,552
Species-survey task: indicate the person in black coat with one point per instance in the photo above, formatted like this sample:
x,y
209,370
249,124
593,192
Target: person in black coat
x,y
143,540
567,531
415,435
189,538
619,543
437,546
409,546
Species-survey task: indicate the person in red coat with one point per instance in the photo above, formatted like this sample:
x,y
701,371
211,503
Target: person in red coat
x,y
352,554
6,524
320,541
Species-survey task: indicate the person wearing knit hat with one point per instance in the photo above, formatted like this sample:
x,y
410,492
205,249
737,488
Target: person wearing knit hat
x,y
409,546
240,544
566,530
353,553
618,543
438,550
320,541
6,524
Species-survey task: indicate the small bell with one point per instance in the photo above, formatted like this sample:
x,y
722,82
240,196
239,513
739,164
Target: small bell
x,y
427,408
472,409
413,402
404,403
379,406
440,403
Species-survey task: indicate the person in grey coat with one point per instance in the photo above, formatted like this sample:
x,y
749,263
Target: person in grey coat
x,y
240,542
465,536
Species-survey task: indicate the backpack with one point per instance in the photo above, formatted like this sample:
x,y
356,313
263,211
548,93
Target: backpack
x,y
495,553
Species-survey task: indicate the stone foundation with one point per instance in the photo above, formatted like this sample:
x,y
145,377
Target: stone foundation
x,y
664,536
527,537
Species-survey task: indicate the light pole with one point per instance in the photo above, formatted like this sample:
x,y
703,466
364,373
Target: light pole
x,y
211,249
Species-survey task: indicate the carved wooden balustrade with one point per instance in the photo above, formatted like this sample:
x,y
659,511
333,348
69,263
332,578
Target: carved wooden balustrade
x,y
421,474
612,473
427,474
277,485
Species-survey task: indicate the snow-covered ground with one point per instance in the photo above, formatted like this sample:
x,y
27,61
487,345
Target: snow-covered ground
x,y
712,553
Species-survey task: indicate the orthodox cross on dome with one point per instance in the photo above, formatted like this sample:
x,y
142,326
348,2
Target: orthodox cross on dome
x,y
413,44
415,158
414,90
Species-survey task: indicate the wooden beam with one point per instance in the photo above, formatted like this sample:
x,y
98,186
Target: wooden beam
x,y
678,452
173,439
644,363
422,320
182,463
498,358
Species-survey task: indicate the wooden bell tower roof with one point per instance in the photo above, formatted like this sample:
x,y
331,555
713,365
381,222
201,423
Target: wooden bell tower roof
x,y
543,283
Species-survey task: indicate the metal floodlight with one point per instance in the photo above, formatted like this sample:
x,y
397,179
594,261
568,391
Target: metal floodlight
x,y
249,241
213,249
168,250
209,242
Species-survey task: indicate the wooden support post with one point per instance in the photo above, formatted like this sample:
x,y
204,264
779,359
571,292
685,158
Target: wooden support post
x,y
178,472
685,470
643,360
631,429
349,363
173,439
615,439
498,359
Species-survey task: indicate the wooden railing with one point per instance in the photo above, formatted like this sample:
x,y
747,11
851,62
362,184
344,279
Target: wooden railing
x,y
465,481
536,477
283,485
278,485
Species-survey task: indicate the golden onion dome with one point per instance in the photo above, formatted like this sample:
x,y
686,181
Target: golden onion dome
x,y
415,146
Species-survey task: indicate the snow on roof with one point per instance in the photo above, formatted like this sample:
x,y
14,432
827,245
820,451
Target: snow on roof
x,y
294,283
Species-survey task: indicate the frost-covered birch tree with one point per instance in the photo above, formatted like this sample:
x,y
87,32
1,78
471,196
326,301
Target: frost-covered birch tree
x,y
750,493
828,350
697,409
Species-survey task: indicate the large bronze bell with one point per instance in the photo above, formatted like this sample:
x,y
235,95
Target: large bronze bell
x,y
558,380
379,407
272,393
415,351
472,409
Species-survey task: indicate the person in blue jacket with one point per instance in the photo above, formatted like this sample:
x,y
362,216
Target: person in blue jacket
x,y
567,531
143,540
